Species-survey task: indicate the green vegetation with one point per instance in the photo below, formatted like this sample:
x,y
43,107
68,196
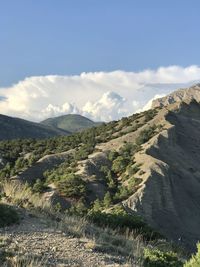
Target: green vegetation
x,y
118,175
20,154
116,232
8,215
39,186
195,259
119,219
119,178
158,258
71,185
13,128
71,122
145,135
150,114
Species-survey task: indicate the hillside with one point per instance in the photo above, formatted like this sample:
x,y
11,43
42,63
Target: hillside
x,y
71,122
138,174
13,128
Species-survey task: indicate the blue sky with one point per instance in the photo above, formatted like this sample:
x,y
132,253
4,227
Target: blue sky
x,y
64,37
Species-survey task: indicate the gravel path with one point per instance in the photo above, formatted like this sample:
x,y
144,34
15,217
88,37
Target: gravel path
x,y
33,236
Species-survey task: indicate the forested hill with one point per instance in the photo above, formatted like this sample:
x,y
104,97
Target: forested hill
x,y
70,122
14,128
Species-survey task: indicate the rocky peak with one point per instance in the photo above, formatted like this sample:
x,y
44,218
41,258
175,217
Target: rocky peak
x,y
185,94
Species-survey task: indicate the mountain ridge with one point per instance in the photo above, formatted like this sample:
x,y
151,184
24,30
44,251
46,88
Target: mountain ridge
x,y
147,163
15,128
183,94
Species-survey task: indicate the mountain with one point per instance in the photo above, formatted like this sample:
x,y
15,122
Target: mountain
x,y
13,128
184,94
144,167
70,122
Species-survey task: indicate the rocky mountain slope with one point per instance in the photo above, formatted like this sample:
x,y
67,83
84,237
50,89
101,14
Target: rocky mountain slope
x,y
147,164
184,94
71,122
169,196
13,128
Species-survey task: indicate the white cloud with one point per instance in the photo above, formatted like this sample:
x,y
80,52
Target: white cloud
x,y
109,107
100,95
53,111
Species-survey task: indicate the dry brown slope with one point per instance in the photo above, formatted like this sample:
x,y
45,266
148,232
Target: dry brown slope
x,y
169,198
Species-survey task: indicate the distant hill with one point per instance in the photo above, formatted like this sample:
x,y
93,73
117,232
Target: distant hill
x,y
14,128
70,122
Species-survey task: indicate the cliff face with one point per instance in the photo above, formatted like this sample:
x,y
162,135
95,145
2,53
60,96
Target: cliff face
x,y
169,197
186,94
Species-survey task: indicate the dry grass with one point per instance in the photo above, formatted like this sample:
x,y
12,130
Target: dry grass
x,y
24,261
21,195
103,240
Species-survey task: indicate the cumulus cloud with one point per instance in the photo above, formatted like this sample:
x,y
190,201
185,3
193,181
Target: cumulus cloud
x,y
99,95
53,111
109,107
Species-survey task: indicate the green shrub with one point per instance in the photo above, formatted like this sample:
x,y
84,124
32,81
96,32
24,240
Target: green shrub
x,y
150,114
119,164
132,169
71,185
158,258
107,201
78,209
195,260
39,186
113,155
122,221
122,193
146,135
8,215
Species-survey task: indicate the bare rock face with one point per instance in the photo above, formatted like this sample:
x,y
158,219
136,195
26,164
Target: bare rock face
x,y
186,94
169,196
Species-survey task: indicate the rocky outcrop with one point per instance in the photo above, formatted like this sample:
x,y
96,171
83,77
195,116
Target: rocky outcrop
x,y
186,94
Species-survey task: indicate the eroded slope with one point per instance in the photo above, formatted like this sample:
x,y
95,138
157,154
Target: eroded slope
x,y
169,198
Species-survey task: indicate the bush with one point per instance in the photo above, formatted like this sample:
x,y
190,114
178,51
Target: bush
x,y
8,215
39,186
195,260
122,221
150,114
119,164
158,258
71,185
146,135
122,193
107,201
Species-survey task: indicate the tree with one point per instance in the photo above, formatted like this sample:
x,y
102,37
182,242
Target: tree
x,y
107,201
72,185
120,164
38,186
97,206
195,260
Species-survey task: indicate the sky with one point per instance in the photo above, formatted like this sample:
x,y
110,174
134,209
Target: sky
x,y
101,58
